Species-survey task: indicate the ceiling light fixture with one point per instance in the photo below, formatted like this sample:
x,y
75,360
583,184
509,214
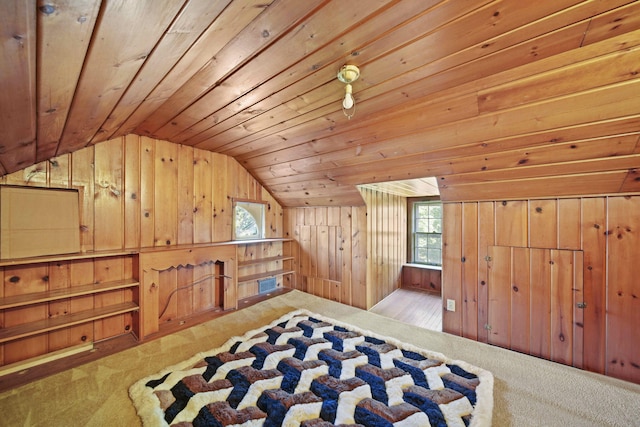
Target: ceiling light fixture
x,y
348,74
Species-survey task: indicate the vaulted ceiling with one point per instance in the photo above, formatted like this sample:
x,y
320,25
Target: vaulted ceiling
x,y
497,99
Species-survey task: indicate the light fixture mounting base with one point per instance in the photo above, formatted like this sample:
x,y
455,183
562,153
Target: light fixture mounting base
x,y
348,74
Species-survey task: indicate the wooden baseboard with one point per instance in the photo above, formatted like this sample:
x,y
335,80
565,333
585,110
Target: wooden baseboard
x,y
27,364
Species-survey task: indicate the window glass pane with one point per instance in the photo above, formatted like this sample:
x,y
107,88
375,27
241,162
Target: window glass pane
x,y
422,240
434,256
434,240
246,225
427,233
435,211
422,225
248,220
421,255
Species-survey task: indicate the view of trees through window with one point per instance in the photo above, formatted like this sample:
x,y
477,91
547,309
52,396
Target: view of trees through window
x,y
249,220
427,233
246,225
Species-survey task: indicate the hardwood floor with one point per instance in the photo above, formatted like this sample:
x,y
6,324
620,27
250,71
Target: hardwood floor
x,y
414,307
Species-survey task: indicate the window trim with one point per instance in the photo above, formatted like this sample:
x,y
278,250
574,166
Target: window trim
x,y
251,206
411,201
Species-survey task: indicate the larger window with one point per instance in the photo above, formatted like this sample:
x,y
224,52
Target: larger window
x,y
426,232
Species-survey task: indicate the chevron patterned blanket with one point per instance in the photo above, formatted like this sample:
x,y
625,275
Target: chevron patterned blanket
x,y
308,370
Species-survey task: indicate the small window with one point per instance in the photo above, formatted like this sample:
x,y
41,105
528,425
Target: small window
x,y
248,220
426,232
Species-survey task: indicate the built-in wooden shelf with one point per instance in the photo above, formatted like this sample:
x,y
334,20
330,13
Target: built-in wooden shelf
x,y
263,260
33,328
57,294
65,257
251,277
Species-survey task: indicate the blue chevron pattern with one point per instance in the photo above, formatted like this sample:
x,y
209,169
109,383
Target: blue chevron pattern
x,y
305,370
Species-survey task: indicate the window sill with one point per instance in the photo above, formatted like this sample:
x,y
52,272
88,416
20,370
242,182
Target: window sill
x,y
425,266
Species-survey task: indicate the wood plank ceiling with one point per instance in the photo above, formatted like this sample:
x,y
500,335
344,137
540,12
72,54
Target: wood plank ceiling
x,y
497,99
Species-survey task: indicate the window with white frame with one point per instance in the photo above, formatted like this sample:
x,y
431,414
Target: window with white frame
x,y
426,232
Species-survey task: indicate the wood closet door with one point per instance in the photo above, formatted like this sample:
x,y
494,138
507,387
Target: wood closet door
x,y
534,302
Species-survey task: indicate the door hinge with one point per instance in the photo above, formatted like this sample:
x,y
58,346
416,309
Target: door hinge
x,y
581,305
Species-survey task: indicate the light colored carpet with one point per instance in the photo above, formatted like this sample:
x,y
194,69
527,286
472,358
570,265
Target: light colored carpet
x,y
527,391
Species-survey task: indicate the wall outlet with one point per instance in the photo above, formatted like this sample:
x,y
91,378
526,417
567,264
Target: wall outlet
x,y
451,305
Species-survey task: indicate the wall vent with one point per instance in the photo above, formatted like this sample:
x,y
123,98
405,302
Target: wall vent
x,y
266,285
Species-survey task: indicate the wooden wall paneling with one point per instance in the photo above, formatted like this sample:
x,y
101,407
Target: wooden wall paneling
x,y
109,206
452,266
2,325
398,239
372,255
562,285
304,233
379,283
273,214
499,312
222,203
202,192
82,178
168,301
147,191
185,195
290,248
237,186
543,224
386,229
334,288
309,216
323,251
486,238
540,312
59,278
131,191
593,226
569,224
24,280
59,171
359,284
578,312
520,300
82,273
106,270
623,304
511,223
388,250
334,254
166,194
469,300
35,175
205,292
346,260
412,277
